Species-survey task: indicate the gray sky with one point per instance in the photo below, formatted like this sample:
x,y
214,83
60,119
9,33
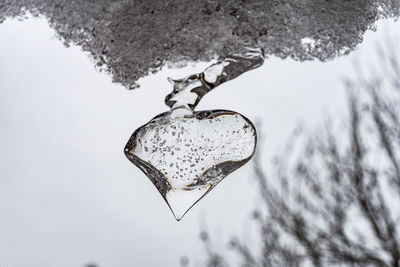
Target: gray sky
x,y
69,196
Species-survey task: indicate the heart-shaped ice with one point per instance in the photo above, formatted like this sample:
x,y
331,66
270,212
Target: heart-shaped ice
x,y
186,156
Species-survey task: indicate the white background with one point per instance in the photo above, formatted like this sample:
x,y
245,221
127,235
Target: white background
x,y
68,195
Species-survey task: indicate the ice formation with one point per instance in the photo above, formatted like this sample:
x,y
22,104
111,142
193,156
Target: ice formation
x,y
186,156
132,38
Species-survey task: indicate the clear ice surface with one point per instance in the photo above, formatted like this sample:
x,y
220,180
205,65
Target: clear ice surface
x,y
188,92
186,156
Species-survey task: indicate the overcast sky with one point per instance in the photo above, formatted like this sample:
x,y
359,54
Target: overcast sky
x,y
68,195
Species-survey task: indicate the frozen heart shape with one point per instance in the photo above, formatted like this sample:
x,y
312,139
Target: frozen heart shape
x,y
186,156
